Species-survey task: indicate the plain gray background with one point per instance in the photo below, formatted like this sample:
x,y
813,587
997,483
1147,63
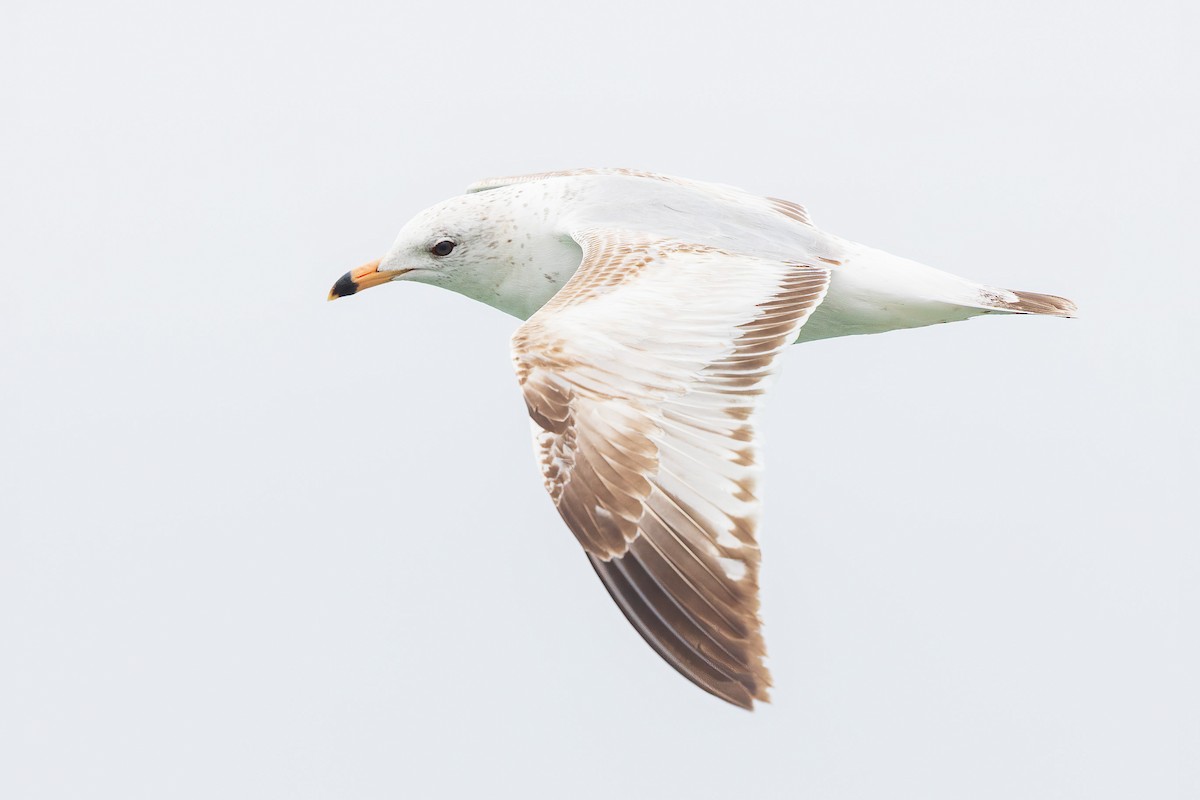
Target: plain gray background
x,y
258,545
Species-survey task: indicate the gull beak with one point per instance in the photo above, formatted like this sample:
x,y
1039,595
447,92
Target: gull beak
x,y
364,277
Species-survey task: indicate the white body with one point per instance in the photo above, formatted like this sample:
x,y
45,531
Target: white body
x,y
528,251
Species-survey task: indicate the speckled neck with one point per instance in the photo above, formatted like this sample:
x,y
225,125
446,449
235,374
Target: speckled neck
x,y
530,254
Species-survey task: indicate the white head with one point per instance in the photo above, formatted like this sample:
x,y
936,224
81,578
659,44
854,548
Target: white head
x,y
479,245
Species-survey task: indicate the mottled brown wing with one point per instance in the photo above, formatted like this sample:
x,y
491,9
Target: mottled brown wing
x,y
643,375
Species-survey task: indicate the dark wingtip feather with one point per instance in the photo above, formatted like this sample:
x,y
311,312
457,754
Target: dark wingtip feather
x,y
645,606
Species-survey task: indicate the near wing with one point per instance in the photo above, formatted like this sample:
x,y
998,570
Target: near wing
x,y
643,375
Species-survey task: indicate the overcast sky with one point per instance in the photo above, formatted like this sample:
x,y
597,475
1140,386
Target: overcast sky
x,y
259,545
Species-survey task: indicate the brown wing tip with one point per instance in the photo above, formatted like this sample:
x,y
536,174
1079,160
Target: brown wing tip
x,y
666,630
750,692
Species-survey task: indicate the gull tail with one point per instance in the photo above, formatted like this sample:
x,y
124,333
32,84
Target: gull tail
x,y
1015,302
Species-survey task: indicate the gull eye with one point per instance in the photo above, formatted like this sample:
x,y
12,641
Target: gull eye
x,y
442,248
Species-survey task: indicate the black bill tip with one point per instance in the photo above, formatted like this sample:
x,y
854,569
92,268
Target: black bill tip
x,y
345,286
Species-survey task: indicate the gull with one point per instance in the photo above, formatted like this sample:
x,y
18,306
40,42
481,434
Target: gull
x,y
655,310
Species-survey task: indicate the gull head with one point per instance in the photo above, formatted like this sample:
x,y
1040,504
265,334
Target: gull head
x,y
480,245
441,245
487,246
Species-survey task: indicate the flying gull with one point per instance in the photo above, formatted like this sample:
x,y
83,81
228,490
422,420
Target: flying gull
x,y
655,309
